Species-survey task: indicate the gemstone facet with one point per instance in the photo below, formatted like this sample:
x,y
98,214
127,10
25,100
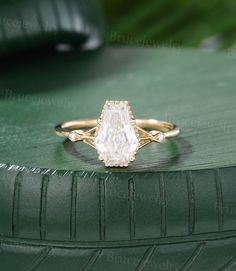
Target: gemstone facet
x,y
115,139
161,137
75,135
72,136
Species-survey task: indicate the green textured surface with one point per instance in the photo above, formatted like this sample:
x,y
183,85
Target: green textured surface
x,y
33,24
173,209
193,89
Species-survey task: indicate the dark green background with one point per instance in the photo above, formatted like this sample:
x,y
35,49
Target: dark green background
x,y
171,22
174,208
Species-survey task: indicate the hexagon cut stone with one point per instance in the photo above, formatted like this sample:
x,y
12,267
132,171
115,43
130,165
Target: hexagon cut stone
x,y
115,139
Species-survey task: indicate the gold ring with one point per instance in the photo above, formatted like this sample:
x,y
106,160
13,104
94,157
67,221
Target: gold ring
x,y
117,135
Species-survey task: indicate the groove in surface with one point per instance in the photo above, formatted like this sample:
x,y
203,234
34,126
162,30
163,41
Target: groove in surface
x,y
219,199
39,16
20,19
228,265
214,236
71,15
3,32
43,206
73,208
146,258
81,9
131,189
191,199
163,205
56,13
92,260
38,261
16,204
102,211
192,258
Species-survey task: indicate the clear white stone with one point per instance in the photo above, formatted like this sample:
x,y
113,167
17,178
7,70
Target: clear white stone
x,y
76,135
161,137
116,140
72,136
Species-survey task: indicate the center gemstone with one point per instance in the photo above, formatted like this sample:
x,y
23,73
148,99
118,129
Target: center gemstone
x,y
115,138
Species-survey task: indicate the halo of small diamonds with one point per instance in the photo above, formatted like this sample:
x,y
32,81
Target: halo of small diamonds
x,y
116,139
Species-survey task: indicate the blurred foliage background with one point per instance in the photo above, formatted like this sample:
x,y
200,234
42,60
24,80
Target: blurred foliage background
x,y
209,24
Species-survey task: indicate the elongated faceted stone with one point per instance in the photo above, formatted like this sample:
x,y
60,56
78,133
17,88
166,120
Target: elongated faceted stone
x,y
115,139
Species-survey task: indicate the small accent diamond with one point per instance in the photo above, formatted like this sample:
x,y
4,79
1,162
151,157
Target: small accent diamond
x,y
161,137
76,135
72,136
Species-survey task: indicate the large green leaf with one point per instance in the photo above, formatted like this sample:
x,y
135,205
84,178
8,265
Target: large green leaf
x,y
178,22
172,209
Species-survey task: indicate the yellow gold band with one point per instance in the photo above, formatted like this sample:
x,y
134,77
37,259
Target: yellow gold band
x,y
117,135
170,129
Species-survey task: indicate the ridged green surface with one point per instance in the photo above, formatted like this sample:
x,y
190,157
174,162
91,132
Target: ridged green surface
x,y
88,207
216,255
165,221
193,89
33,24
173,209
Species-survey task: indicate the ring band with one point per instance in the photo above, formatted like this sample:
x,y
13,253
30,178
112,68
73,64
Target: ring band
x,y
116,135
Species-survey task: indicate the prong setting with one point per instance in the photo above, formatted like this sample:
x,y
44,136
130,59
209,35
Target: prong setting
x,y
117,135
76,135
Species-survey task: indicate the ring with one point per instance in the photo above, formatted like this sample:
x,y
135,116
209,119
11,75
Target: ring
x,y
117,135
